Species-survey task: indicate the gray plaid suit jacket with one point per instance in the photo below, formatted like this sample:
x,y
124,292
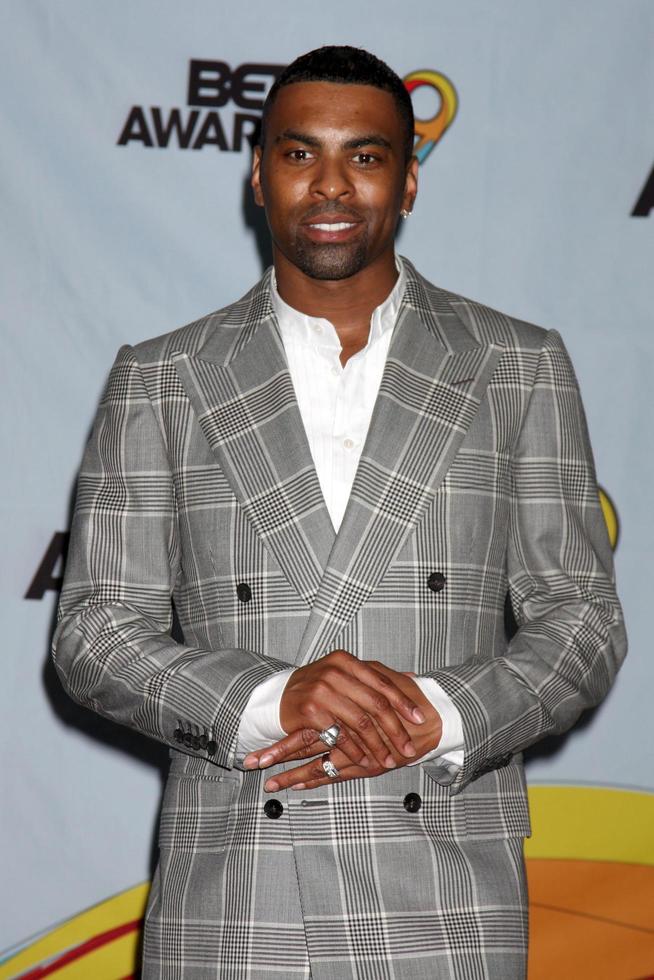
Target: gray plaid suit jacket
x,y
198,478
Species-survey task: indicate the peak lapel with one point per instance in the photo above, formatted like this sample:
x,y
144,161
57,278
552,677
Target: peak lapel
x,y
242,394
435,376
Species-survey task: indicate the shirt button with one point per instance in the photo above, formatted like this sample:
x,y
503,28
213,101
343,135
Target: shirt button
x,y
348,443
316,328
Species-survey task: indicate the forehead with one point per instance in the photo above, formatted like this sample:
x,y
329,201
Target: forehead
x,y
329,108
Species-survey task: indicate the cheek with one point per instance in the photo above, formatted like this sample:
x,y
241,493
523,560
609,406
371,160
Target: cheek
x,y
286,203
383,204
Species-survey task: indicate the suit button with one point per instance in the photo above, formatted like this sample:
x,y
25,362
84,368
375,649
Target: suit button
x,y
212,748
244,592
188,740
412,802
436,581
273,809
178,735
195,743
203,740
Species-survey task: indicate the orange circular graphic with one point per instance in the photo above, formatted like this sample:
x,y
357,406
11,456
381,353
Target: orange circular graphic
x,y
430,131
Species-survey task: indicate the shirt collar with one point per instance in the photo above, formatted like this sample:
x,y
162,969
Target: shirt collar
x,y
319,332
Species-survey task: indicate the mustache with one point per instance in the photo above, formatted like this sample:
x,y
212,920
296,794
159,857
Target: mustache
x,y
331,209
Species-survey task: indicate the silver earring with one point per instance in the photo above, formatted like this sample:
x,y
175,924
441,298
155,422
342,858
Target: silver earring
x,y
405,214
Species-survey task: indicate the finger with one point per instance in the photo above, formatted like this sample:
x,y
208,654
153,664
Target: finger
x,y
313,771
379,677
303,744
362,709
352,746
344,775
356,722
296,745
299,774
329,704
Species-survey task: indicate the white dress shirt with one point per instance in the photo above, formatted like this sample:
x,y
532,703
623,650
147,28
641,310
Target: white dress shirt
x,y
336,405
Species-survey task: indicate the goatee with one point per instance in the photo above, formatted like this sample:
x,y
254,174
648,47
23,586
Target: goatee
x,y
330,261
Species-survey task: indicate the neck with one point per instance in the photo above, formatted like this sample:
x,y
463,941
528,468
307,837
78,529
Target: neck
x,y
347,303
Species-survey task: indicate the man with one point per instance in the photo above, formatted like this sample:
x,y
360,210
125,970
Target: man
x,y
338,479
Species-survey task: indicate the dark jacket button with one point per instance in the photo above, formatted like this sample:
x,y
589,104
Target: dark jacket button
x,y
188,740
212,748
244,592
204,741
195,743
436,581
178,735
273,809
412,802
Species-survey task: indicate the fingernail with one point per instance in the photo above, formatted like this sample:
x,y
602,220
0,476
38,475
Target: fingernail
x,y
365,762
265,760
251,762
409,749
389,762
418,715
299,786
271,786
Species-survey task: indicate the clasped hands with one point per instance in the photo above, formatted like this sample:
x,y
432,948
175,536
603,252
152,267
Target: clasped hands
x,y
384,718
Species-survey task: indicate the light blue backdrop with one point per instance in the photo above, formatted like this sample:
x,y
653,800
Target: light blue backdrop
x,y
524,204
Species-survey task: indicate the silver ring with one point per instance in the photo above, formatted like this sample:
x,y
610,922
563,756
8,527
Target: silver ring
x,y
330,768
330,736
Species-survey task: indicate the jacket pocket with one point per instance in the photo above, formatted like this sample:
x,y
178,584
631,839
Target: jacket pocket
x,y
196,814
492,806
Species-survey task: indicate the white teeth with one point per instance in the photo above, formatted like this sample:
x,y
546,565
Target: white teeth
x,y
337,226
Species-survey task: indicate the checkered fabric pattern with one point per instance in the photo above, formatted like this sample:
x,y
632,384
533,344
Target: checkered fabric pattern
x,y
198,478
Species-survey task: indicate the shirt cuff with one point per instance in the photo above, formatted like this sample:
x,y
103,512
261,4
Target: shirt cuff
x,y
260,725
450,750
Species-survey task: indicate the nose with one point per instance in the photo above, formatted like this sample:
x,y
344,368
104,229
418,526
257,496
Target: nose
x,y
331,180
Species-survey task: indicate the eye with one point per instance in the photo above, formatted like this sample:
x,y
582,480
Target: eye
x,y
365,159
299,154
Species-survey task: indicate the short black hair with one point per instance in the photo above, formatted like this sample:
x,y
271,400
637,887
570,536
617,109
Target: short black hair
x,y
345,66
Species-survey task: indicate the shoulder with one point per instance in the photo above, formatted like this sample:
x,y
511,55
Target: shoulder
x,y
486,324
221,326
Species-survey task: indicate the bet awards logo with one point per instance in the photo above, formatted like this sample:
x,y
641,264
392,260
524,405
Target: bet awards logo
x,y
212,85
430,131
223,109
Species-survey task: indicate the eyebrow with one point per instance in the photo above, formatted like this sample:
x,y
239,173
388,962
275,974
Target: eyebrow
x,y
369,139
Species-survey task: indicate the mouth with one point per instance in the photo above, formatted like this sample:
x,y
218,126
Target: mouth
x,y
332,225
328,228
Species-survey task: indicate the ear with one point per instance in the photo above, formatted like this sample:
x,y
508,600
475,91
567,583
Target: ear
x,y
255,180
410,185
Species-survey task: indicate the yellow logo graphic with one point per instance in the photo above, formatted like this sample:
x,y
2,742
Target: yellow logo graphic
x,y
430,131
611,517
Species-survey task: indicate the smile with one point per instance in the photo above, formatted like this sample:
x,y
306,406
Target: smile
x,y
333,226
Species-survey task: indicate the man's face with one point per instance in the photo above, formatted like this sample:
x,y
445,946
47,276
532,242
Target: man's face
x,y
332,177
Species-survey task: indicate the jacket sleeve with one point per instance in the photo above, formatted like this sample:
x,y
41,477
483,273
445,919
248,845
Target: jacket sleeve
x,y
112,647
570,640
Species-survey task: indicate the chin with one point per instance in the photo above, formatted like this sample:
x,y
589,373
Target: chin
x,y
330,261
